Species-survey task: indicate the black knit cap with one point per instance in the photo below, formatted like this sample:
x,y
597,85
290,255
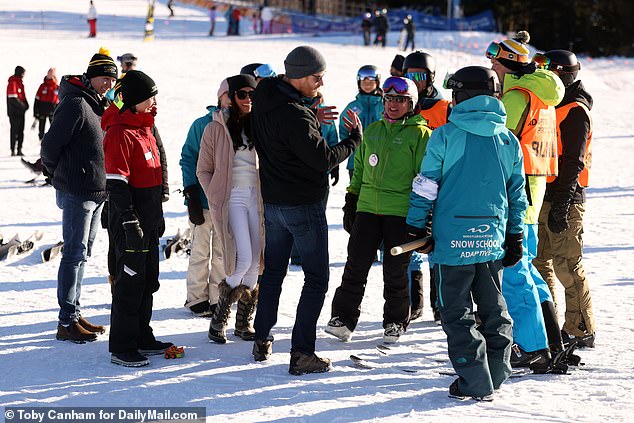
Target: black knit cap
x,y
136,87
304,61
238,82
102,64
397,63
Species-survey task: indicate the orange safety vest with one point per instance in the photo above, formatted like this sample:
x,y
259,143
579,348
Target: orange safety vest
x,y
562,114
538,138
436,115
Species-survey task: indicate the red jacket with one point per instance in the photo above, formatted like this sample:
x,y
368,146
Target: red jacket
x,y
16,99
130,148
47,93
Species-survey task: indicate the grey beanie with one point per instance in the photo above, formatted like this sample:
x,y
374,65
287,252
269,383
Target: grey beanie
x,y
304,61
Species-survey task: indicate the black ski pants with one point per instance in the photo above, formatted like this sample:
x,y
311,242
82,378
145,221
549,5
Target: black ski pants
x,y
136,280
367,233
16,119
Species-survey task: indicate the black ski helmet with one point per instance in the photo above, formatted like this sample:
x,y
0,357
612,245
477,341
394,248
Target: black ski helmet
x,y
250,69
419,59
368,70
565,63
472,81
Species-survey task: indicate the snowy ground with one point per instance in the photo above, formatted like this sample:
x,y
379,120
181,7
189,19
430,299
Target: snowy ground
x,y
188,66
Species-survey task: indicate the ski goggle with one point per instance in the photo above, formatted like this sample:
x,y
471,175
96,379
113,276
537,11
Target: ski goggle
x,y
395,85
242,94
544,62
495,51
370,74
395,98
416,76
264,71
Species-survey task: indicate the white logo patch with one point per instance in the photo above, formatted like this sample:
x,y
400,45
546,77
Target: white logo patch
x,y
479,229
425,187
128,270
148,155
373,160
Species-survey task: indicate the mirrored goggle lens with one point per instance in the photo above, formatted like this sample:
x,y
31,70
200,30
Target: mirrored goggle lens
x,y
370,74
264,71
493,50
395,98
395,85
541,61
416,76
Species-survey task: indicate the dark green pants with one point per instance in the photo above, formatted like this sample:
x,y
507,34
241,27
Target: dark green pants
x,y
480,355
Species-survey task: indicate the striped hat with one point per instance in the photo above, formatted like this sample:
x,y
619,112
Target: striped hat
x,y
102,64
517,46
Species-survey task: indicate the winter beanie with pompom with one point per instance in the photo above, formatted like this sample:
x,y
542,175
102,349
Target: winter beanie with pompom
x,y
101,64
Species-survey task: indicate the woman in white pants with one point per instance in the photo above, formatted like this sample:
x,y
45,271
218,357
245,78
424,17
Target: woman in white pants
x,y
227,171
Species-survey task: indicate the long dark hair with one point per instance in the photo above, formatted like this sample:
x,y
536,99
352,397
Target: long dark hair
x,y
236,124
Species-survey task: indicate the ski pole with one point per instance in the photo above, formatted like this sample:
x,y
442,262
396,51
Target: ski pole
x,y
403,248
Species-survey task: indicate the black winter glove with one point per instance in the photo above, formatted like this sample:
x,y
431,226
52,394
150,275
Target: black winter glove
x,y
349,211
512,249
558,217
194,205
334,175
415,234
133,235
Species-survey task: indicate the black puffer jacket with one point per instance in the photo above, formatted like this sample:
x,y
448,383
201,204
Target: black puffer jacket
x,y
574,135
72,149
294,157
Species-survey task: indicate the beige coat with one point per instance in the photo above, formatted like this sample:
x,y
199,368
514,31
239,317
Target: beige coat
x,y
214,170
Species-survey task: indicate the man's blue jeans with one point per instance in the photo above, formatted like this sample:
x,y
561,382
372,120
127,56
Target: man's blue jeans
x,y
80,221
306,226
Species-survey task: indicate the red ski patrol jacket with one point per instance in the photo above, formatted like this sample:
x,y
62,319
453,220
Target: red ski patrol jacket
x,y
16,99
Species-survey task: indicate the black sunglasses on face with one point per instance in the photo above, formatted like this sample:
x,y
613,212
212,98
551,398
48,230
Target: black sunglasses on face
x,y
242,94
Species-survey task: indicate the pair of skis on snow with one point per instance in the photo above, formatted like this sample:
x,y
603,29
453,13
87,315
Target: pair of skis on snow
x,y
370,363
17,247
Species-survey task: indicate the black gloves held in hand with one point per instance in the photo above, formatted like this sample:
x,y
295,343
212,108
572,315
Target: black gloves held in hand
x,y
349,211
558,217
133,235
194,205
512,249
415,234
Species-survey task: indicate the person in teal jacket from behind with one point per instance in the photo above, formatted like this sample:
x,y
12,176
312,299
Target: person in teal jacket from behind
x,y
473,178
368,103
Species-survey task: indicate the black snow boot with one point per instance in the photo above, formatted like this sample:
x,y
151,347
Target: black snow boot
x,y
218,324
244,314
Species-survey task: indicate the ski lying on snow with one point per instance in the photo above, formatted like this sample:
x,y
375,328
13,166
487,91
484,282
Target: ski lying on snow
x,y
387,349
362,363
517,373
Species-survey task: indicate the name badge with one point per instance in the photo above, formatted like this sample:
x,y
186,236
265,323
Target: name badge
x,y
373,160
148,155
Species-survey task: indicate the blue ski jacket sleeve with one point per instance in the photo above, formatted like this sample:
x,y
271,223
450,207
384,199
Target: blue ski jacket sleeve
x,y
370,110
472,177
189,154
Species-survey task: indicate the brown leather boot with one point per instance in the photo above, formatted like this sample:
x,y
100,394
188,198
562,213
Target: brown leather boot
x,y
244,314
90,327
74,333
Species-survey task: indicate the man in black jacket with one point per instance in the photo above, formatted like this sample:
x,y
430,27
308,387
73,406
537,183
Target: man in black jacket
x,y
72,155
294,164
560,245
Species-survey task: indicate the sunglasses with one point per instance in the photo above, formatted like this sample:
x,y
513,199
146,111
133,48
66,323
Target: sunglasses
x,y
395,85
416,76
395,99
242,94
544,62
318,78
495,51
264,71
369,74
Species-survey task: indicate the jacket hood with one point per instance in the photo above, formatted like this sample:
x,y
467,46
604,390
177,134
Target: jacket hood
x,y
577,92
543,83
72,86
372,98
272,93
481,115
113,116
14,78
